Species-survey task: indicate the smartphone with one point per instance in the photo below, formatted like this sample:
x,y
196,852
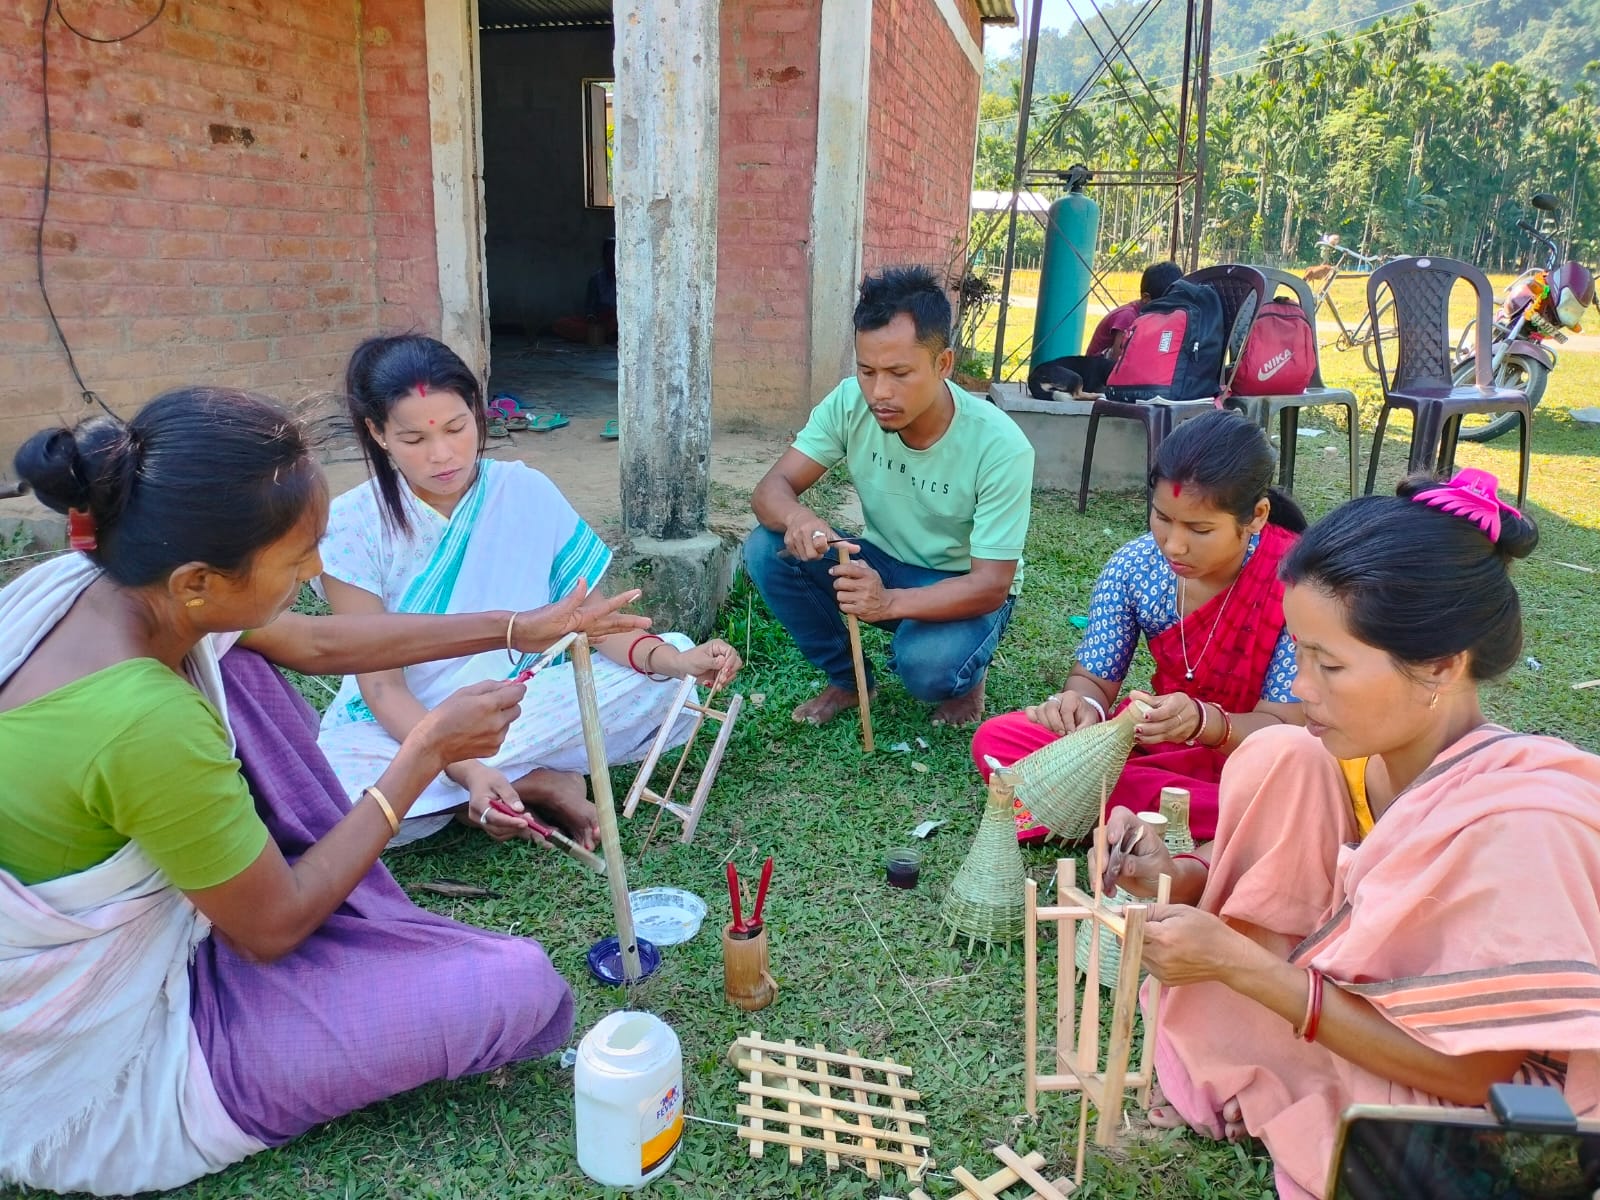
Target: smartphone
x,y
1423,1153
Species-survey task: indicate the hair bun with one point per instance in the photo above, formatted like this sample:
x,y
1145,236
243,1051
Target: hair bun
x,y
1517,535
90,466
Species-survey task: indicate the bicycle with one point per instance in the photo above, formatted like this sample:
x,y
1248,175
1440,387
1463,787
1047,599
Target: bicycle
x,y
1365,334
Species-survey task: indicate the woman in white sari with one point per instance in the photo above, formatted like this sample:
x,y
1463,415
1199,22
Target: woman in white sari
x,y
441,529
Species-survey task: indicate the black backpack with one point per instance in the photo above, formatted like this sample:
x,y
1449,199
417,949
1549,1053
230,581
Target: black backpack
x,y
1174,349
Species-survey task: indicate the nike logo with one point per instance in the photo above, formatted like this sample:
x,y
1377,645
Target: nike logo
x,y
1273,365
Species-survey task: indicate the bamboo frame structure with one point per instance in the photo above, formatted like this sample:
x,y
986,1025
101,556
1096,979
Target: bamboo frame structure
x,y
1078,1060
845,1114
688,815
1015,1169
605,807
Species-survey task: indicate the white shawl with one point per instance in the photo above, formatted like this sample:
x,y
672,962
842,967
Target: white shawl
x,y
103,1087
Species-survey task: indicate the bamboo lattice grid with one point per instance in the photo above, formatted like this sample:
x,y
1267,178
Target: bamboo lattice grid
x,y
840,1105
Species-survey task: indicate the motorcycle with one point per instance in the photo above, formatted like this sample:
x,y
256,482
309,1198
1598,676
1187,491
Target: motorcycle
x,y
1542,304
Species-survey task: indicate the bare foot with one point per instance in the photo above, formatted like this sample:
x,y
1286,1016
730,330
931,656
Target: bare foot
x,y
562,798
1161,1114
826,705
962,710
1233,1121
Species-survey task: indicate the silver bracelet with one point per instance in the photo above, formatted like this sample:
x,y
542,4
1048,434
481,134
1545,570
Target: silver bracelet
x,y
1093,703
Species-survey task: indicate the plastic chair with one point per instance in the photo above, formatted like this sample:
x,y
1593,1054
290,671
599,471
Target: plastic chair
x,y
1243,290
1261,409
1240,289
1419,379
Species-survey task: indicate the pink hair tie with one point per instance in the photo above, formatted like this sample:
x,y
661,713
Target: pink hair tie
x,y
1472,494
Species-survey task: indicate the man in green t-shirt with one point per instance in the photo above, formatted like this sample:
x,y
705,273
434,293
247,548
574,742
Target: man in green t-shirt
x,y
945,481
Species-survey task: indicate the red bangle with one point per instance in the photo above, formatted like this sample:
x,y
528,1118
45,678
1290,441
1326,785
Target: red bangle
x,y
1313,1018
1200,708
637,642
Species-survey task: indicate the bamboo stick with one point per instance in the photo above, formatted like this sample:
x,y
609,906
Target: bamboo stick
x,y
594,741
862,703
795,1092
757,1148
801,1123
1083,1138
1153,1025
1120,1043
1066,968
1027,1172
902,1125
1006,1177
1030,995
828,1105
777,1071
836,1103
1071,1082
754,1042
978,1188
872,1153
867,1143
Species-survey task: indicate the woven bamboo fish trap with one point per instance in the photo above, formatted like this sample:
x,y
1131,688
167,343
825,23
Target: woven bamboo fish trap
x,y
984,903
1061,784
1110,948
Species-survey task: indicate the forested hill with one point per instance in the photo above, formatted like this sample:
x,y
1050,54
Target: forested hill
x,y
1361,127
1553,38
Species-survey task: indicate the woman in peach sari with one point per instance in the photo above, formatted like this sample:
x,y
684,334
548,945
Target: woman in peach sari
x,y
1405,913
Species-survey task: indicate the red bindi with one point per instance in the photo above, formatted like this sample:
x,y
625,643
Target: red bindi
x,y
430,422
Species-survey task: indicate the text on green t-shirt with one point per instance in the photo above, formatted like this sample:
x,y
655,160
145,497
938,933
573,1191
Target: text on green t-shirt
x,y
966,496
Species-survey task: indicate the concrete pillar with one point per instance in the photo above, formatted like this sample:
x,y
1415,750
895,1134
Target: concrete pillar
x,y
838,197
457,149
667,68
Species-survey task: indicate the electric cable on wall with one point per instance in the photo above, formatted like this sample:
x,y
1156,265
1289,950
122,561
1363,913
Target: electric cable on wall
x,y
90,396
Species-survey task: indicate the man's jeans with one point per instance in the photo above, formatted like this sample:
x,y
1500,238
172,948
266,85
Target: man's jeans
x,y
935,660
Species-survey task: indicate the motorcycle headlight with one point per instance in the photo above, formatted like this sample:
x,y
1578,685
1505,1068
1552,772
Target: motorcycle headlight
x,y
1570,309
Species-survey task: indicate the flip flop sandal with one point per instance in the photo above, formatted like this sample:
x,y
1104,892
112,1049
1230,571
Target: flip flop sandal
x,y
610,432
511,404
516,424
546,424
495,425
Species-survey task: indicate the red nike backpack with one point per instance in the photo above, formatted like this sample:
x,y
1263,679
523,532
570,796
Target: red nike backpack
x,y
1280,356
1174,349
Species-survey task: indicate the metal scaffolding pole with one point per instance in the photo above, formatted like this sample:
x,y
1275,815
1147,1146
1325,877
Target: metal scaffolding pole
x,y
1192,93
1030,60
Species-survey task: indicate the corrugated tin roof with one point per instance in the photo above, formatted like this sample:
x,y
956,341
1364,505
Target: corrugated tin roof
x,y
997,12
541,14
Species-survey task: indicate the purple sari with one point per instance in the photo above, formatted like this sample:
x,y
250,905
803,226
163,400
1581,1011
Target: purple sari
x,y
384,996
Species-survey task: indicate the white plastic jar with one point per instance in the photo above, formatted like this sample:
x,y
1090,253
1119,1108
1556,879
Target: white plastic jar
x,y
628,1085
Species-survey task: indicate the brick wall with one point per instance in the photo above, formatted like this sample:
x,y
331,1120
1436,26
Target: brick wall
x,y
922,128
768,133
240,193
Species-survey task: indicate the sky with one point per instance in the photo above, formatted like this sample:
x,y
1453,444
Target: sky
x,y
1000,40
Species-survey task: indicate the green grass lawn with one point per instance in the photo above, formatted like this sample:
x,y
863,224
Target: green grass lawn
x,y
861,966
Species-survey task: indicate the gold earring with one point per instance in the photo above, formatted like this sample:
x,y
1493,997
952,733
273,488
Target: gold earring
x,y
1433,703
196,602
